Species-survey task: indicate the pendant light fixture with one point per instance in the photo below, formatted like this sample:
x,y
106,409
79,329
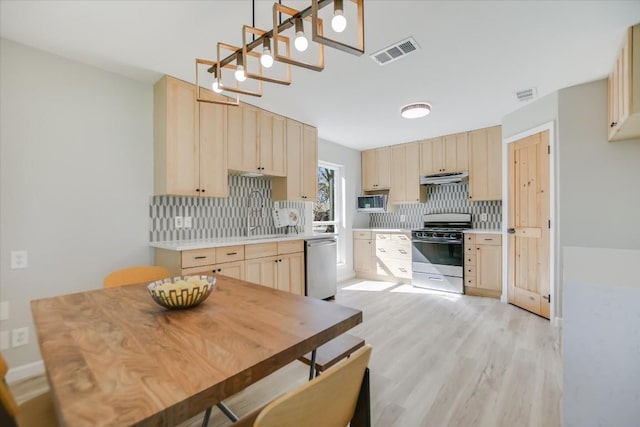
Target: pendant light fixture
x,y
248,63
338,22
415,110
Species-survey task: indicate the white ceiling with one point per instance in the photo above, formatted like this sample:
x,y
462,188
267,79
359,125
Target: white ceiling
x,y
474,55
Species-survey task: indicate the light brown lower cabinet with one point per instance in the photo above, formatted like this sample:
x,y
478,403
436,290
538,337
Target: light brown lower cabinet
x,y
483,264
382,255
275,264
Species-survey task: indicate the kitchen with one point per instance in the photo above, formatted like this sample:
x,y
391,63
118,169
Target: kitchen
x,y
56,198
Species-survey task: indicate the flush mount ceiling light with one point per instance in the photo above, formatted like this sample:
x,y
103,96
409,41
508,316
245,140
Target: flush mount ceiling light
x,y
274,46
415,110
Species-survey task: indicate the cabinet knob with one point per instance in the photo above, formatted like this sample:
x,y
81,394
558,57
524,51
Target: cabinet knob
x,y
613,124
202,190
197,190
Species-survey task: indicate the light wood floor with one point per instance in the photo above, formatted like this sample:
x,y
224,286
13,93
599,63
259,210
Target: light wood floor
x,y
438,360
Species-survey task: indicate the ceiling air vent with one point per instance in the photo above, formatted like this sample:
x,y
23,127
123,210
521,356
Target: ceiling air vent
x,y
526,94
395,51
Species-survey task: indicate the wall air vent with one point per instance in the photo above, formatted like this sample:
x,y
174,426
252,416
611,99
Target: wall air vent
x,y
395,51
526,94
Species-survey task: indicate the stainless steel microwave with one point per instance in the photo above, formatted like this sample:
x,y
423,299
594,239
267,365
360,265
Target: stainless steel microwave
x,y
372,203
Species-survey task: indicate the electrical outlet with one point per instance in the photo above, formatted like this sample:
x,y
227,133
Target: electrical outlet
x,y
4,310
177,222
187,222
483,217
403,218
4,340
19,337
18,259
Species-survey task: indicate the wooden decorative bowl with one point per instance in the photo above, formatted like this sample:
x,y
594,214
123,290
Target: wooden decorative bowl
x,y
181,292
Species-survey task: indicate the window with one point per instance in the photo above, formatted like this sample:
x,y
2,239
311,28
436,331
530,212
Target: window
x,y
328,215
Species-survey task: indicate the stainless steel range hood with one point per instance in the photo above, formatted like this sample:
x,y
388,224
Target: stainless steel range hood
x,y
444,178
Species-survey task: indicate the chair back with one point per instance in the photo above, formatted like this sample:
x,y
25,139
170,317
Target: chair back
x,y
9,408
133,275
326,401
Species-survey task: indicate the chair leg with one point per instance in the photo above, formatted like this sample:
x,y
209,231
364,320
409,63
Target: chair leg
x,y
312,365
224,409
362,414
205,420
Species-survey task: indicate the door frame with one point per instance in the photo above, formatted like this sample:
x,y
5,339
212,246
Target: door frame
x,y
554,232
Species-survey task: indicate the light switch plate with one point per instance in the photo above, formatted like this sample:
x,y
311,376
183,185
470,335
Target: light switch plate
x,y
19,337
19,259
403,218
187,222
483,217
177,222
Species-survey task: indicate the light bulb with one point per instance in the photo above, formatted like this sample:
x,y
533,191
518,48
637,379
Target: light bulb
x,y
217,87
338,22
240,74
301,42
266,59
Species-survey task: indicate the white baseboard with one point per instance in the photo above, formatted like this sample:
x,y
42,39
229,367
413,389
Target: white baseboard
x,y
25,371
557,321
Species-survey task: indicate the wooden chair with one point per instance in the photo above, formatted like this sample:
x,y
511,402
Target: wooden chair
x,y
36,412
133,275
326,401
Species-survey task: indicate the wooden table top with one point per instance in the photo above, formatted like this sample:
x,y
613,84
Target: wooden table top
x,y
115,357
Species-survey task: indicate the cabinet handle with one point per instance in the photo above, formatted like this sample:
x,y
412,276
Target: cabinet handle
x,y
219,270
511,230
197,190
200,257
613,124
232,253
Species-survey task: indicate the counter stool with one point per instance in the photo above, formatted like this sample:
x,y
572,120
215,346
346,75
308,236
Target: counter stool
x,y
331,353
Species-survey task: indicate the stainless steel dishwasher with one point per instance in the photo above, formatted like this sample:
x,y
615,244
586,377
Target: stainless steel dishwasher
x,y
321,271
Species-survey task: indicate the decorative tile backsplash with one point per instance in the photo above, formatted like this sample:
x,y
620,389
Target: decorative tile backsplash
x,y
447,198
219,217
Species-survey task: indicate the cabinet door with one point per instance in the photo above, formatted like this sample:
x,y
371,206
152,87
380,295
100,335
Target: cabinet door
x,y
362,255
489,267
291,273
272,144
383,166
213,150
231,269
242,138
485,164
455,156
369,170
412,172
262,271
182,168
309,164
430,156
398,192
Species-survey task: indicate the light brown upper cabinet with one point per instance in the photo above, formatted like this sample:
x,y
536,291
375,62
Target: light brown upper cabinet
x,y
624,89
485,164
189,142
376,169
405,175
445,154
301,182
256,141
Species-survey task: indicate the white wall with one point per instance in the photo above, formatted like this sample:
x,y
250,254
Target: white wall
x,y
76,159
350,159
601,337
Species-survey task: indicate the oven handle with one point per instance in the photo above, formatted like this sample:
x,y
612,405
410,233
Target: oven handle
x,y
446,242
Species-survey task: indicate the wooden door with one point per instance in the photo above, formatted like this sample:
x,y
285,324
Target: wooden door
x,y
529,223
213,150
309,163
182,140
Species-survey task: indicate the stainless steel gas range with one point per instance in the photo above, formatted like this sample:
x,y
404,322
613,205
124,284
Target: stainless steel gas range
x,y
437,254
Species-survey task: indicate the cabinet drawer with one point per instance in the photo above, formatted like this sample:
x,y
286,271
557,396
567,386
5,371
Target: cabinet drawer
x,y
198,257
400,237
230,254
260,250
469,259
395,250
399,268
290,247
382,236
362,235
489,239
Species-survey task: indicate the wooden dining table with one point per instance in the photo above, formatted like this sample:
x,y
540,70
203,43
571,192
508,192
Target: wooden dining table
x,y
115,357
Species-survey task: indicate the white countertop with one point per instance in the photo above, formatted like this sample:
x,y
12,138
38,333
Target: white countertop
x,y
484,231
384,230
185,245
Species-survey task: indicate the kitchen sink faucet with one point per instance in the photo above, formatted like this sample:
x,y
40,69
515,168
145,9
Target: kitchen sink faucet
x,y
255,205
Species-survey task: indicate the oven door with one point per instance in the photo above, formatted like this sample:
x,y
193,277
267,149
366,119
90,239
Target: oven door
x,y
438,265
